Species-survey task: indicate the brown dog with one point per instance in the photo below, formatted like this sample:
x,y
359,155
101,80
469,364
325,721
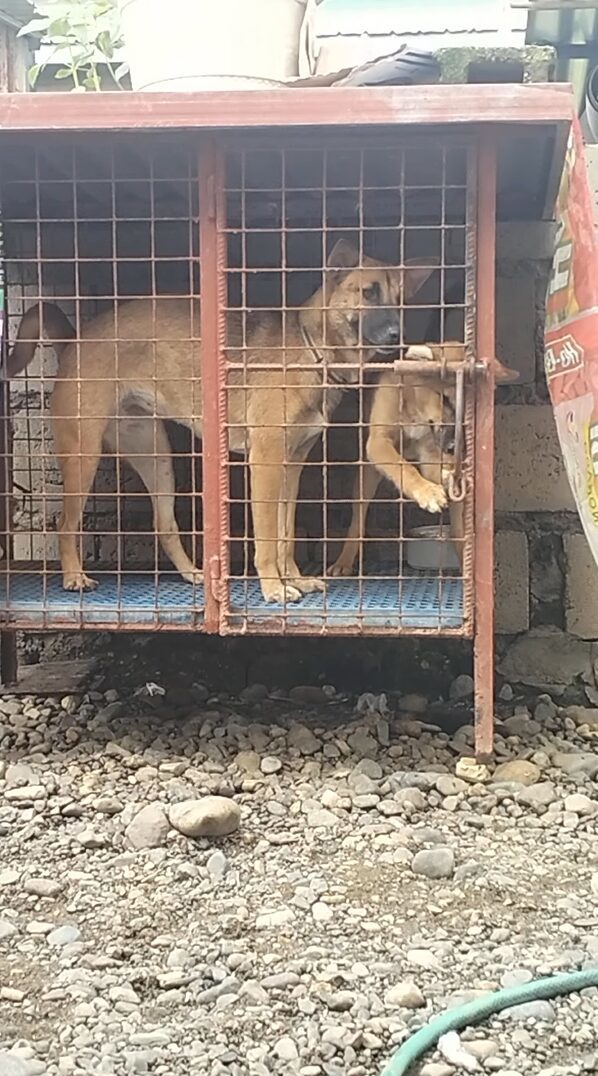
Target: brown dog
x,y
410,427
137,364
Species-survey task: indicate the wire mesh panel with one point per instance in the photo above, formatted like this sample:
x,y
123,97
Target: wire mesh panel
x,y
350,288
102,259
307,438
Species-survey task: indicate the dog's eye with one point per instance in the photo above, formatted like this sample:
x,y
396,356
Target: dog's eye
x,y
371,293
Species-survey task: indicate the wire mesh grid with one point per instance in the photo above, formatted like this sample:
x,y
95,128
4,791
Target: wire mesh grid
x,y
101,254
343,257
323,262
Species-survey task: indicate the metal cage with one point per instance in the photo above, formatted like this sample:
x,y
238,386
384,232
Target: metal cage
x,y
334,383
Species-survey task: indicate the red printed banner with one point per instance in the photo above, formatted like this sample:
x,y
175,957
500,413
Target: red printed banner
x,y
571,337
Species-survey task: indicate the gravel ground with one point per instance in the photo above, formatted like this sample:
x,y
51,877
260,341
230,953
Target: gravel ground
x,y
227,886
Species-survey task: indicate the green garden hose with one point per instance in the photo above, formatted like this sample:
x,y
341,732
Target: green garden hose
x,y
480,1009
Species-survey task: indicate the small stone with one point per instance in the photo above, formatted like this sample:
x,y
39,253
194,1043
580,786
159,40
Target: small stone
x,y
270,765
303,740
506,693
519,771
217,864
462,687
271,920
482,1049
532,1010
248,761
64,935
286,1050
362,743
578,803
19,774
437,1068
594,884
90,838
212,816
43,887
11,1065
545,709
8,877
10,993
8,929
340,1001
573,763
322,913
148,828
404,996
582,715
321,818
521,725
448,785
423,958
434,863
540,795
471,771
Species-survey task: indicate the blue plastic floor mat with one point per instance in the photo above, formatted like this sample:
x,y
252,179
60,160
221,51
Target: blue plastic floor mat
x,y
418,601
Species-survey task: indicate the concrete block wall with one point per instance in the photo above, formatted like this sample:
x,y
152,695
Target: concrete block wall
x,y
546,577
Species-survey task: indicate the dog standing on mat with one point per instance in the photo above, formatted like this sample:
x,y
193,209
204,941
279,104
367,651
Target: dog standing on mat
x,y
136,365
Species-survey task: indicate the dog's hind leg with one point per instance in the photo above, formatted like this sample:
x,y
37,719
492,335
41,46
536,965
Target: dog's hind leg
x,y
144,443
78,445
364,491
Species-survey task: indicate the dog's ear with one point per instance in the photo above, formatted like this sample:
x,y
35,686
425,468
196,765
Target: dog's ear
x,y
415,274
342,258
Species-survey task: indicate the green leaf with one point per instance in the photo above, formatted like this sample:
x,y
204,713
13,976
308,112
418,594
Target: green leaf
x,y
104,44
64,72
34,26
34,73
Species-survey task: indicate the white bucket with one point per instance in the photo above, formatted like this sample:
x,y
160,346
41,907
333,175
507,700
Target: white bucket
x,y
187,45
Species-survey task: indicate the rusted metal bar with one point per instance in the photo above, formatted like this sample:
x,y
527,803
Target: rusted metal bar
x,y
484,455
213,333
299,107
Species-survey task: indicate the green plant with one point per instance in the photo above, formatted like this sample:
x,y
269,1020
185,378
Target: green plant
x,y
86,34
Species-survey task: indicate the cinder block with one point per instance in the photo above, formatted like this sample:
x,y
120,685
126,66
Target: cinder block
x,y
511,582
581,594
516,324
529,470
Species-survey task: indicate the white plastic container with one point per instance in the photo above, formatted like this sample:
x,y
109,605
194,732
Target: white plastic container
x,y
432,551
187,45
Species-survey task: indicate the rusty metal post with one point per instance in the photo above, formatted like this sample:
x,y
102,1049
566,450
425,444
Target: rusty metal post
x,y
213,289
8,639
484,454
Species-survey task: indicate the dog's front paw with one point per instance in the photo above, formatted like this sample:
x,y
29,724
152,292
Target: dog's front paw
x,y
79,581
421,352
431,497
279,593
307,584
195,577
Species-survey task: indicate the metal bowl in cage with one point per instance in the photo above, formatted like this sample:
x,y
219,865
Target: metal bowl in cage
x,y
432,549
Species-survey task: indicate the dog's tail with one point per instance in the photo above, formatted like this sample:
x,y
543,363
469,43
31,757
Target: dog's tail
x,y
42,319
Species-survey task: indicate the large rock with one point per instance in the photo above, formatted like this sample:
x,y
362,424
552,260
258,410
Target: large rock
x,y
148,828
519,771
212,816
547,658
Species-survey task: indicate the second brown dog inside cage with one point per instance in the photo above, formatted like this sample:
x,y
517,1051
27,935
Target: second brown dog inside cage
x,y
338,257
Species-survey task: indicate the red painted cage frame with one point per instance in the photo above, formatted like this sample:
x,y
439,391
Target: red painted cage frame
x,y
483,110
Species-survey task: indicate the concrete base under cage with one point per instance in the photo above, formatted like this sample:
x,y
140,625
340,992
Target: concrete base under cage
x,y
148,601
